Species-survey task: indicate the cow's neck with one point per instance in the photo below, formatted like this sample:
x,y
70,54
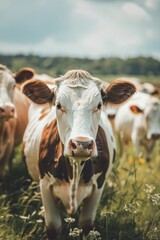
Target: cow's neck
x,y
77,168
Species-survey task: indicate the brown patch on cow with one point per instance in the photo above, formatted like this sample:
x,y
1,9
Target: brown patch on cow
x,y
44,113
51,157
100,163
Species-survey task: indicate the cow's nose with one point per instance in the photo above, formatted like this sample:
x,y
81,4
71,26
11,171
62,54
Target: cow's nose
x,y
81,147
155,136
7,112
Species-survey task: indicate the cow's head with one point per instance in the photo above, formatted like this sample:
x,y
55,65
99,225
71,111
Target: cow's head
x,y
150,117
78,100
7,85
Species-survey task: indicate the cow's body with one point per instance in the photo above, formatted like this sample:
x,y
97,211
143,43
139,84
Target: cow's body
x,y
69,146
13,116
139,121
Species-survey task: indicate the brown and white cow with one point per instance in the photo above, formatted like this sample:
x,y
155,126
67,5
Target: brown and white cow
x,y
138,121
68,144
13,112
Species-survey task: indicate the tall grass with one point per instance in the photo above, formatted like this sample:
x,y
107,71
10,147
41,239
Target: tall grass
x,y
129,208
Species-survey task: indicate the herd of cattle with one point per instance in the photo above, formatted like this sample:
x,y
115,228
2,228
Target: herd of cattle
x,y
68,138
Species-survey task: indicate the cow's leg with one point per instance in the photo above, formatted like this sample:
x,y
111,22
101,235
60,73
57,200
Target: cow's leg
x,y
149,150
89,209
120,144
136,143
52,215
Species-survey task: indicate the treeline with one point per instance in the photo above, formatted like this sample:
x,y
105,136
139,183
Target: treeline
x,y
105,66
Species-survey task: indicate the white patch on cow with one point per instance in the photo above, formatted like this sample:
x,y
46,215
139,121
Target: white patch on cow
x,y
74,182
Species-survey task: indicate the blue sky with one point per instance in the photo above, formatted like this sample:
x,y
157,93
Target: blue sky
x,y
80,28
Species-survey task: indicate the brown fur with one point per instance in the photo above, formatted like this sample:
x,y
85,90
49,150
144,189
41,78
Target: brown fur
x,y
51,157
118,92
44,113
37,91
24,74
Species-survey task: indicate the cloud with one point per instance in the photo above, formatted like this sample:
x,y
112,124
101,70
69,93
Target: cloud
x,y
135,11
152,4
86,28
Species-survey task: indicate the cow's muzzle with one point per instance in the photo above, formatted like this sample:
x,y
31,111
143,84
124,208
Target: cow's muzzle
x,y
7,111
81,147
155,136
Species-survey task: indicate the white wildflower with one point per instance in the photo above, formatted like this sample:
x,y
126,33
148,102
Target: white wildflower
x,y
75,232
69,220
95,234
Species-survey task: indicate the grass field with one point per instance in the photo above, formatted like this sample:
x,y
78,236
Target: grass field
x,y
129,208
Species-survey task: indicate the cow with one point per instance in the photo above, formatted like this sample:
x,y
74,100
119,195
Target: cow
x,y
69,148
138,121
146,87
13,113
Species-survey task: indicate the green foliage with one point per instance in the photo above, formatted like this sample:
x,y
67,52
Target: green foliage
x,y
56,66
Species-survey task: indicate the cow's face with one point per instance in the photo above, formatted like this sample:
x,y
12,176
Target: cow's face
x,y
78,112
7,85
78,100
151,117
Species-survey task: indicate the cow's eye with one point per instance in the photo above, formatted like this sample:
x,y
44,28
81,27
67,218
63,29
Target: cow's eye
x,y
99,106
59,106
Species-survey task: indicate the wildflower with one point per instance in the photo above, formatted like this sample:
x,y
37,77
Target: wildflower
x,y
155,199
141,160
105,214
69,220
41,211
39,221
24,217
95,235
75,232
131,207
149,189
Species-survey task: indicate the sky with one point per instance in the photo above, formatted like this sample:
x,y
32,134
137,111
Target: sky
x,y
80,28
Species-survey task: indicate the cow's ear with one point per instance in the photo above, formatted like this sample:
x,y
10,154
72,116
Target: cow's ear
x,y
24,74
155,92
38,92
135,109
118,92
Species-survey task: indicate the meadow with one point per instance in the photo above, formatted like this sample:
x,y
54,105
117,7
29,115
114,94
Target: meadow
x,y
129,208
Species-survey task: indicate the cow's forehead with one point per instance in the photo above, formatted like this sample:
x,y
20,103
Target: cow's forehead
x,y
6,78
153,107
87,93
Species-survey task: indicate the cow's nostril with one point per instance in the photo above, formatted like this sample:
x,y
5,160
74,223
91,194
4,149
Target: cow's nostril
x,y
90,145
87,145
73,145
155,136
2,110
12,110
